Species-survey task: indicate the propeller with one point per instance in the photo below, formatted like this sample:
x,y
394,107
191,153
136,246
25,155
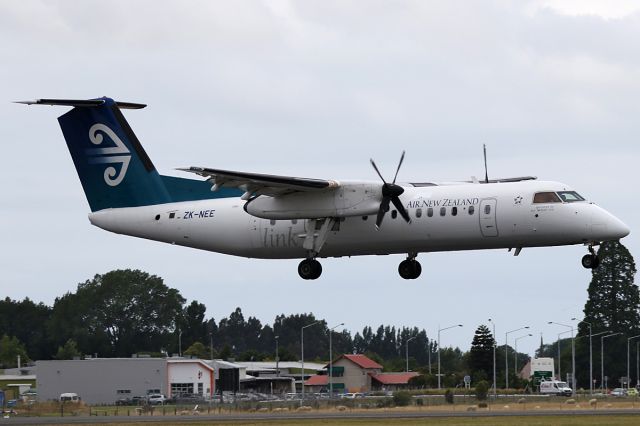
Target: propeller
x,y
390,194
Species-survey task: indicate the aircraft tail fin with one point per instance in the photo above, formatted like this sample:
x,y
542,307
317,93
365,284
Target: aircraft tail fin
x,y
114,169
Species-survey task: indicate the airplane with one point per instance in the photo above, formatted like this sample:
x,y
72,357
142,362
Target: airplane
x,y
280,217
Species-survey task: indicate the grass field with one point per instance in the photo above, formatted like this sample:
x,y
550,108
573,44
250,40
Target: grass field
x,y
583,420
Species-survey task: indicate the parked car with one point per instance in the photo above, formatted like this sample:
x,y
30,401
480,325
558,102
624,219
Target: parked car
x,y
632,392
352,395
124,401
156,399
69,397
618,392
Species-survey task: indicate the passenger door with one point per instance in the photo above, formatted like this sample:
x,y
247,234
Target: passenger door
x,y
488,225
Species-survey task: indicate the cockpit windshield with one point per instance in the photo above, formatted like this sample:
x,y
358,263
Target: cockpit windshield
x,y
557,197
570,196
546,197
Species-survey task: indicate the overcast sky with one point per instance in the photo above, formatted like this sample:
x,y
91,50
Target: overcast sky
x,y
316,88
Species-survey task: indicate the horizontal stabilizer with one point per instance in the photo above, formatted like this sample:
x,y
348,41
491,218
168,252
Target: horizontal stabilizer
x,y
80,103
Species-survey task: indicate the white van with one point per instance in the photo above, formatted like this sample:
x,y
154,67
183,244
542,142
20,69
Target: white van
x,y
69,397
555,387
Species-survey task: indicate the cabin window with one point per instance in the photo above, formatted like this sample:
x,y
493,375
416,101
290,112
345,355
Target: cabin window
x,y
157,217
272,222
443,211
418,212
471,210
546,197
172,215
294,221
487,209
365,217
430,212
570,196
454,211
394,214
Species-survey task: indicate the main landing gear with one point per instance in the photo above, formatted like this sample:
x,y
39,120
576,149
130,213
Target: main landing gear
x,y
590,261
309,269
410,269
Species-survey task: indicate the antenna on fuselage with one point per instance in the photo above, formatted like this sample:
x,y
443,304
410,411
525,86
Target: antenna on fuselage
x,y
486,174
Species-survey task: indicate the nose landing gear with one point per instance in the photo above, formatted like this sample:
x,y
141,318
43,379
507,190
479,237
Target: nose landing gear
x,y
591,260
410,269
309,269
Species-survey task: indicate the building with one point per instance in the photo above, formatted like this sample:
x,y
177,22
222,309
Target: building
x,y
105,380
357,373
280,377
16,381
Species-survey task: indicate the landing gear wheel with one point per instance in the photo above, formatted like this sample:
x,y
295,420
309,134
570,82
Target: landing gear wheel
x,y
410,269
309,269
590,261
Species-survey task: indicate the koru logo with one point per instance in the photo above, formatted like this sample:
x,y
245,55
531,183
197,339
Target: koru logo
x,y
517,200
115,154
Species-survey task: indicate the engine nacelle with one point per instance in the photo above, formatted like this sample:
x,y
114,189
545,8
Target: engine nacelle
x,y
344,201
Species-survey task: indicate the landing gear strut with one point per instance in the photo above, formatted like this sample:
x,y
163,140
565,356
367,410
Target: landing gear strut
x,y
410,268
309,269
591,260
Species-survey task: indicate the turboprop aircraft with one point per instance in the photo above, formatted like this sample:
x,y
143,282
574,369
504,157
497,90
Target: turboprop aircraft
x,y
280,217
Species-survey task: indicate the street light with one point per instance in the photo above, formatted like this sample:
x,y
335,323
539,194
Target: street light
x,y
637,364
602,358
574,383
331,360
590,355
277,358
506,354
628,370
439,330
493,324
407,351
302,353
515,354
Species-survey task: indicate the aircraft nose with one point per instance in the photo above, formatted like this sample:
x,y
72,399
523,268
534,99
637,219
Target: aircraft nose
x,y
607,227
618,228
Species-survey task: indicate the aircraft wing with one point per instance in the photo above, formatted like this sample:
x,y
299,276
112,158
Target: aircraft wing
x,y
260,184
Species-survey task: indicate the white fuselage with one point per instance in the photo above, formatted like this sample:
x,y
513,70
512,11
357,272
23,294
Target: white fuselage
x,y
500,215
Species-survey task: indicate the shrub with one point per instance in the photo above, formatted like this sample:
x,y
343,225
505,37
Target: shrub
x,y
448,396
401,398
482,389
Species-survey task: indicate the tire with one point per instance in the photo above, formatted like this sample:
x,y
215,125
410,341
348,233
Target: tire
x,y
587,261
409,269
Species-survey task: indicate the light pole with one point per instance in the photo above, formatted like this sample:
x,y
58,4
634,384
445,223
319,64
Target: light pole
x,y
493,324
179,342
602,358
637,364
574,383
506,354
628,369
302,354
439,330
590,355
277,358
407,352
331,360
559,354
515,355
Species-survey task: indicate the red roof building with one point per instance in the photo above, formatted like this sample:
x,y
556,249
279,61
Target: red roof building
x,y
357,373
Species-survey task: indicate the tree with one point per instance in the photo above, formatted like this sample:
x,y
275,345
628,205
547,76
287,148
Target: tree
x,y
613,306
614,299
117,314
10,349
482,389
481,353
68,351
26,321
193,325
198,350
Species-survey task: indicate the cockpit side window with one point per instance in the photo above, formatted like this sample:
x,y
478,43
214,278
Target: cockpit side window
x,y
570,196
546,197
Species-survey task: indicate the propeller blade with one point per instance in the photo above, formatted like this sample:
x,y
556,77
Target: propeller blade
x,y
384,208
398,169
396,202
373,163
